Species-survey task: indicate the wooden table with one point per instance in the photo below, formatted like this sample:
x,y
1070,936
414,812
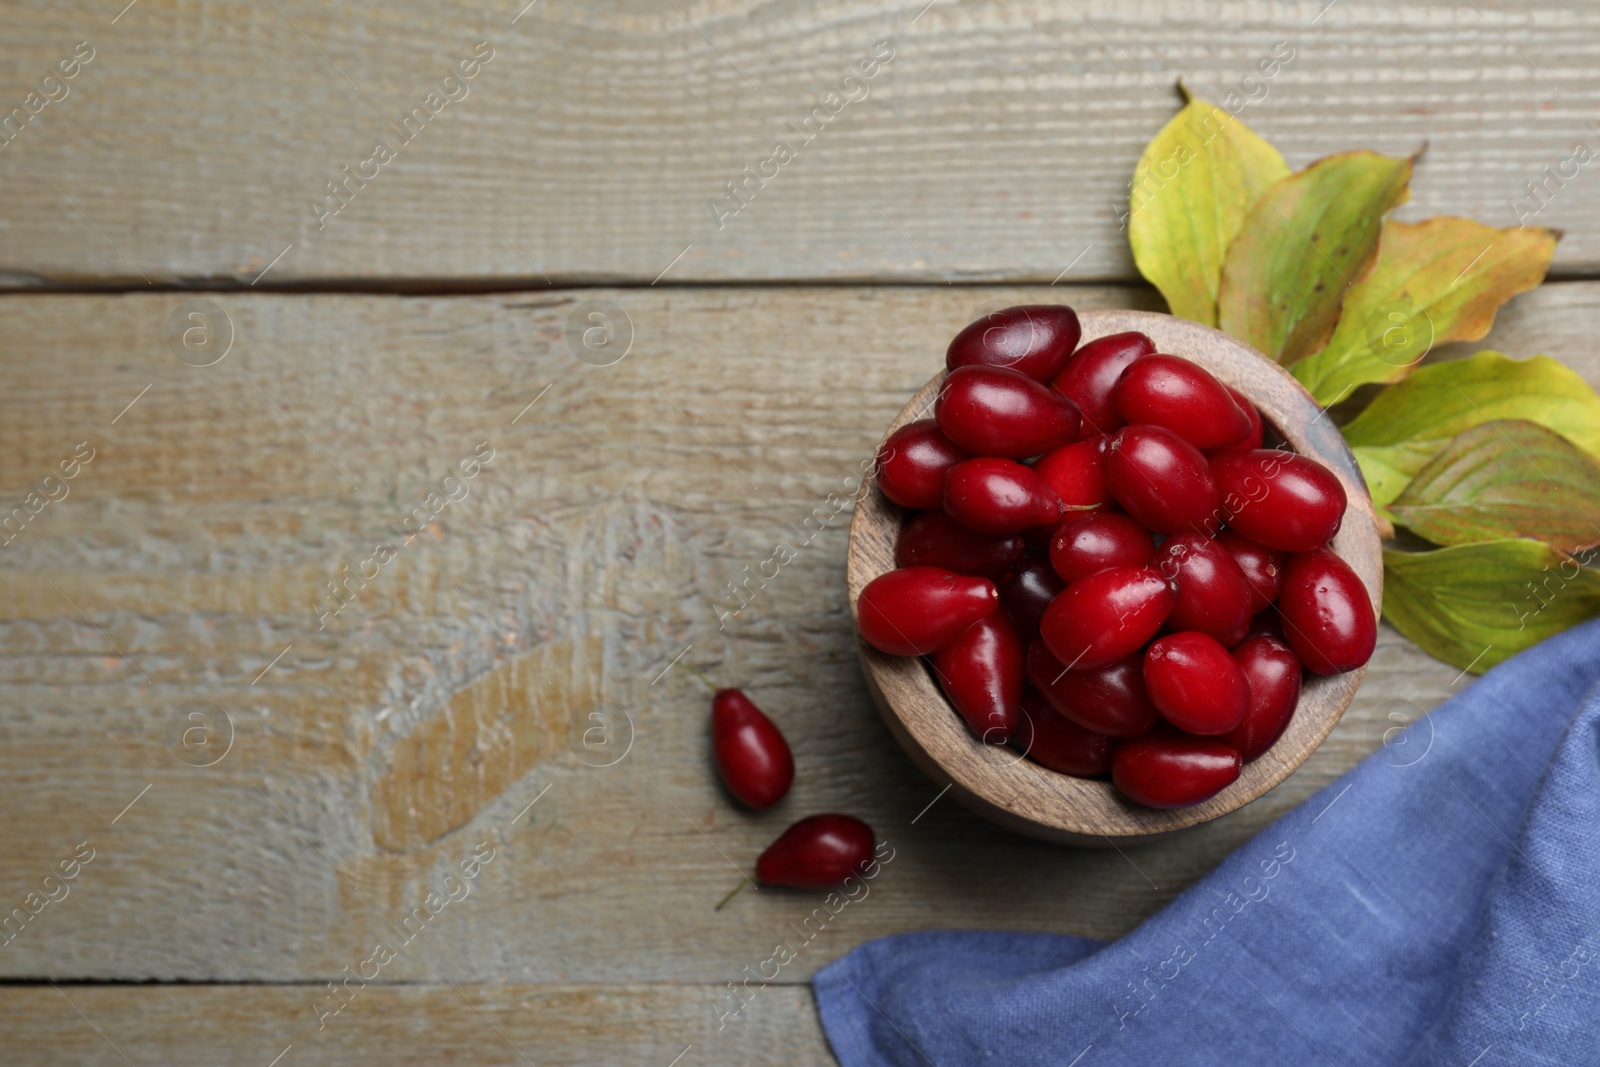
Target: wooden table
x,y
649,391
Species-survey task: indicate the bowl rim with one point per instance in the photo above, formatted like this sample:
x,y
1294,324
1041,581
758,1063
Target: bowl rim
x,y
1025,796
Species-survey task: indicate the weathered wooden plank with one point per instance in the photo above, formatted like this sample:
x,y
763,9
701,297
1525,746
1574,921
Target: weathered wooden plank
x,y
510,654
995,144
407,1026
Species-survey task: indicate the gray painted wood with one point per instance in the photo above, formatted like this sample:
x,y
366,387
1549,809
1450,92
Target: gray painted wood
x,y
995,145
456,687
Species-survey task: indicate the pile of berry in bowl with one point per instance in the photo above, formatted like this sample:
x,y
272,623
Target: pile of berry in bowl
x,y
1117,587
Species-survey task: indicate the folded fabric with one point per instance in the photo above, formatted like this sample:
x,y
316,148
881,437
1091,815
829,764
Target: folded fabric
x,y
1439,904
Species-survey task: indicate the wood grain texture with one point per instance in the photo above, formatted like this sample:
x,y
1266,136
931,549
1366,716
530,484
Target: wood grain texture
x,y
996,145
611,529
1023,796
406,1026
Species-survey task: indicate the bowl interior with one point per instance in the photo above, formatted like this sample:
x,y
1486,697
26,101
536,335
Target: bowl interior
x,y
1018,793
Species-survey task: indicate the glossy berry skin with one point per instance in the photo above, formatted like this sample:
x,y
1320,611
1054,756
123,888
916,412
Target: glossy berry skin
x,y
1257,433
1077,472
1092,373
1054,741
1195,684
915,611
981,672
1110,700
750,752
1106,616
1182,396
1035,339
1092,541
1262,567
912,464
1026,592
1214,597
1280,499
1166,769
1326,613
1161,480
998,496
818,852
1273,671
934,539
992,411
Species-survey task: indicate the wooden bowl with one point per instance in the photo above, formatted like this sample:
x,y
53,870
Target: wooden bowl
x,y
1021,795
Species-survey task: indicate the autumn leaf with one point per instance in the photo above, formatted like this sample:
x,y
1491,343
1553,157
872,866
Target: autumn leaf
x,y
1495,458
1410,422
1385,481
1505,479
1191,191
1476,605
1436,281
1304,243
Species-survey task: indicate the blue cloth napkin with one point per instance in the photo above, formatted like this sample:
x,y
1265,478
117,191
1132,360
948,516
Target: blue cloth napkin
x,y
1439,904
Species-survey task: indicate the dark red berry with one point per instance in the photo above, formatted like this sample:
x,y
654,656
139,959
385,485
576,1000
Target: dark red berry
x,y
1262,567
996,496
912,464
818,852
981,672
934,539
1035,339
1195,684
1094,540
1166,769
1037,538
1257,428
1162,480
1265,624
1110,614
1214,597
750,752
917,610
1077,473
1054,741
1184,397
1026,592
1326,613
1283,500
1110,700
1274,674
993,411
1091,374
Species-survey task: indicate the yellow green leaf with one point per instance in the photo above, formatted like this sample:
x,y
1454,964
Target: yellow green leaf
x,y
1304,243
1505,479
1435,281
1191,191
1384,482
1475,605
1411,421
